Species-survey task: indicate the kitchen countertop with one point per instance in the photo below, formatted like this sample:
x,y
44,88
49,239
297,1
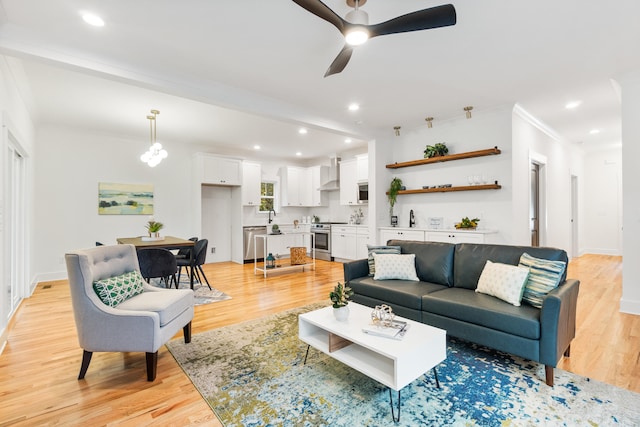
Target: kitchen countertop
x,y
442,230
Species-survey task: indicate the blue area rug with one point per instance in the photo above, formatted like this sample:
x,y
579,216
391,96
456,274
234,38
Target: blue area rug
x,y
252,374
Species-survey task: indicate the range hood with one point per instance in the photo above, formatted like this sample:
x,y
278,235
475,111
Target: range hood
x,y
333,182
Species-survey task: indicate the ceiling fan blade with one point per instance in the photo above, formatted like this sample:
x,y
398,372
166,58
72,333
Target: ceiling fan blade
x,y
341,61
321,10
434,17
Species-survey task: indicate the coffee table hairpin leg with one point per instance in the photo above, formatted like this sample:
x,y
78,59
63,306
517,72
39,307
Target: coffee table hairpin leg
x,y
393,414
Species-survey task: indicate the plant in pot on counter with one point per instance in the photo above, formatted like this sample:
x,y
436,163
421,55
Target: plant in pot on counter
x,y
392,194
275,229
467,223
340,299
439,149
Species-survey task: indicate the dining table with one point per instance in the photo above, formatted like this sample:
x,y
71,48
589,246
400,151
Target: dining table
x,y
166,242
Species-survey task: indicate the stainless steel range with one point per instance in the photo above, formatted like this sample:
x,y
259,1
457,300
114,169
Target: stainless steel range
x,y
322,236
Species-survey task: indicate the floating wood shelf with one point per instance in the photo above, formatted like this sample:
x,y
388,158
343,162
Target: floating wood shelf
x,y
450,189
438,159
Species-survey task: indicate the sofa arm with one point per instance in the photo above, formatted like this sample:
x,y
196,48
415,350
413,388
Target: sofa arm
x,y
558,321
355,269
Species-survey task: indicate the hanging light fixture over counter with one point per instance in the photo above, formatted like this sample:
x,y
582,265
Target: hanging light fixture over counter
x,y
156,153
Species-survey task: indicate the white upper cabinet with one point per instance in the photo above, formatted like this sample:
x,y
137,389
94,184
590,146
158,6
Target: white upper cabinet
x,y
348,182
251,181
296,186
218,170
318,176
362,168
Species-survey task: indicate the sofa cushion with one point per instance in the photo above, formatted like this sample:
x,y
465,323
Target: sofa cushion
x,y
544,276
384,249
399,267
503,281
470,258
434,260
484,310
115,290
405,293
168,303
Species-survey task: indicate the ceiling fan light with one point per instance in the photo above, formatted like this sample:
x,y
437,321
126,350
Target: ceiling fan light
x,y
357,36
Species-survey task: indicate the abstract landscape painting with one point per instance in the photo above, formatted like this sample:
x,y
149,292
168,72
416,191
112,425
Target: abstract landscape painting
x,y
125,199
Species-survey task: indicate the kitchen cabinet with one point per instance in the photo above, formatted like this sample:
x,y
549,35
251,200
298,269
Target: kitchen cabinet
x,y
296,185
457,236
362,168
218,170
348,182
318,176
349,242
400,234
251,182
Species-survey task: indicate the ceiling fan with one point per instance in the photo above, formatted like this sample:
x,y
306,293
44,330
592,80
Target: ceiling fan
x,y
356,28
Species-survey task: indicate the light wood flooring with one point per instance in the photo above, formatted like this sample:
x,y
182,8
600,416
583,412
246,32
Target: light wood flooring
x,y
40,364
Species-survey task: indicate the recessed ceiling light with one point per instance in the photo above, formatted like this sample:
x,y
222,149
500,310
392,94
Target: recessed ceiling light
x,y
302,131
348,141
354,107
594,131
256,147
573,104
93,19
298,154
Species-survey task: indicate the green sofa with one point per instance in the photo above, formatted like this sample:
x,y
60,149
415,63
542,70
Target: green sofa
x,y
445,297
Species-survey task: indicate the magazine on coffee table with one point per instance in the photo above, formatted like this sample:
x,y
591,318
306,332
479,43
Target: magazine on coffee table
x,y
394,330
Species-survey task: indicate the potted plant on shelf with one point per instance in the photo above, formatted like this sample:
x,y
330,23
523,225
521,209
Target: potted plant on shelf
x,y
466,223
392,194
439,149
340,299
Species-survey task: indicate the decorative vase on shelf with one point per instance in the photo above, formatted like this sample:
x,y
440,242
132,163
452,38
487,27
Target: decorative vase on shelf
x,y
341,313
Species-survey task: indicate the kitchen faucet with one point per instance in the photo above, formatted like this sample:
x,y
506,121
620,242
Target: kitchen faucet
x,y
412,219
274,214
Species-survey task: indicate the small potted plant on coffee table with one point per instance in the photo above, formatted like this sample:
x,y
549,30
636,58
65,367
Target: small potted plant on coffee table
x,y
340,299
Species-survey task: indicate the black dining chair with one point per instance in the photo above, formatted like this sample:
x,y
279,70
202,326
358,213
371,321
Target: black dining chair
x,y
199,258
186,252
158,263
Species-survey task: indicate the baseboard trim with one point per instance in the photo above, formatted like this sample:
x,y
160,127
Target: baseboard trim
x,y
629,306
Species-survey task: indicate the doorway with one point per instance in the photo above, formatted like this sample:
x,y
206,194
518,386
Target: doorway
x,y
534,204
216,222
575,248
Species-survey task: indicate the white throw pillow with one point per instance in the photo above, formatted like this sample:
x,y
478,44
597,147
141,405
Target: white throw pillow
x,y
503,281
392,266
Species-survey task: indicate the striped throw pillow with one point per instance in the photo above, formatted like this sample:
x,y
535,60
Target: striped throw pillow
x,y
379,250
544,276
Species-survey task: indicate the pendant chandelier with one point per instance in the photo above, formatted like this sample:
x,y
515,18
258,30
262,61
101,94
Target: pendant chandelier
x,y
156,153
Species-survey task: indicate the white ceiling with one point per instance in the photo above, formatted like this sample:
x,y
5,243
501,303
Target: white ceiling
x,y
231,74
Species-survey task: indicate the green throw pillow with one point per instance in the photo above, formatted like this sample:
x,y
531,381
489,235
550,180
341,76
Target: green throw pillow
x,y
379,250
114,290
544,276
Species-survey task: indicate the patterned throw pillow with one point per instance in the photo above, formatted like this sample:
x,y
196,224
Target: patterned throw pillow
x,y
503,281
392,266
379,250
114,290
544,276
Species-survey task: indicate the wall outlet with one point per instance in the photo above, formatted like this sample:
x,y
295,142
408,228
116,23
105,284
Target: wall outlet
x,y
213,250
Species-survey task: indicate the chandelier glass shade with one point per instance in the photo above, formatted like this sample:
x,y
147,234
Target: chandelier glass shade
x,y
155,153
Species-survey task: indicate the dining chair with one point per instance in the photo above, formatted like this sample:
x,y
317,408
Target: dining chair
x,y
200,256
116,311
186,252
158,263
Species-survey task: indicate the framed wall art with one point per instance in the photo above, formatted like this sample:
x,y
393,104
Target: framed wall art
x,y
125,199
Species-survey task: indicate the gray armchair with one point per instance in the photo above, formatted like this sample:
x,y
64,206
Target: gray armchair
x,y
142,323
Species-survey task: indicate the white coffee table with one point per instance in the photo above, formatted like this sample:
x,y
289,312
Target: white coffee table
x,y
394,363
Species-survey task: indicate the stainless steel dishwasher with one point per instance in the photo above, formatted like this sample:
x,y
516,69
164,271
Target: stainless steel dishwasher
x,y
249,242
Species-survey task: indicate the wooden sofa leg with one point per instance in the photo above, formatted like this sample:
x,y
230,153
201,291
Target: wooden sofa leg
x,y
187,333
152,363
548,371
567,352
86,359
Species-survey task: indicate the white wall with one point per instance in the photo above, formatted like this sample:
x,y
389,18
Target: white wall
x,y
560,161
630,85
486,129
603,202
